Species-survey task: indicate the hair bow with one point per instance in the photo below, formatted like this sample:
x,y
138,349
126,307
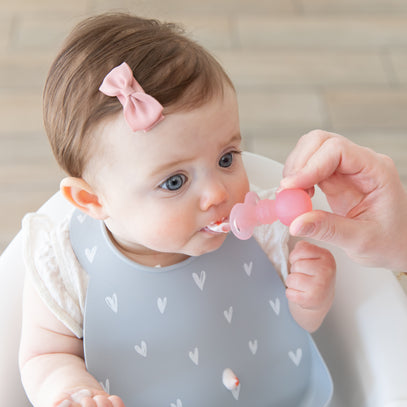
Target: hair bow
x,y
141,111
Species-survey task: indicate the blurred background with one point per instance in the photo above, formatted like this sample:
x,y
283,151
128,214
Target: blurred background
x,y
340,65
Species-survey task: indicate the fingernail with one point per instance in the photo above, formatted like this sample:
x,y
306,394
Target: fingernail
x,y
283,183
305,229
65,403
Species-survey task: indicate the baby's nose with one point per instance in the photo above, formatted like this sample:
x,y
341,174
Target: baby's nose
x,y
213,193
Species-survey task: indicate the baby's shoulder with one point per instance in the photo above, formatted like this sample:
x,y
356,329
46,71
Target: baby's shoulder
x,y
41,232
53,268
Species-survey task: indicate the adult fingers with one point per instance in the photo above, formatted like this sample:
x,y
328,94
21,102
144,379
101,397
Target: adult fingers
x,y
335,154
330,228
306,146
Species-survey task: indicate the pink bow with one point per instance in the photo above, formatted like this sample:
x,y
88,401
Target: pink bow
x,y
141,111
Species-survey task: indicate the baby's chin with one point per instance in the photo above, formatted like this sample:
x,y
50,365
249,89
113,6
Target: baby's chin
x,y
211,242
201,243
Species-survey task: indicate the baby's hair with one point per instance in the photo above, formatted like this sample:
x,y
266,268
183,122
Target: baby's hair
x,y
169,66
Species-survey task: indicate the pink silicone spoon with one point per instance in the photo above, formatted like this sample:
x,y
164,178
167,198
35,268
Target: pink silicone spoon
x,y
288,204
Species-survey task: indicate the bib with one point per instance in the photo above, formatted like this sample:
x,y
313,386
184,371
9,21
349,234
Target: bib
x,y
163,337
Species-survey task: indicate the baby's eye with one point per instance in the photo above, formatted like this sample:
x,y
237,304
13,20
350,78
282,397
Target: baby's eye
x,y
226,160
174,183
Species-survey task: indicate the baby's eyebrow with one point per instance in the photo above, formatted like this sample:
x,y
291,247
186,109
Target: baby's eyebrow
x,y
184,160
168,166
236,137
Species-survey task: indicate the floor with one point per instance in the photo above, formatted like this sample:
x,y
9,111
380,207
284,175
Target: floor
x,y
340,65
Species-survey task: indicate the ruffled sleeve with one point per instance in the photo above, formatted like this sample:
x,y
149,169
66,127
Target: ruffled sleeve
x,y
54,270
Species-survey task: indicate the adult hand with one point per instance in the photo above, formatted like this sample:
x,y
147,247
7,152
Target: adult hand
x,y
364,191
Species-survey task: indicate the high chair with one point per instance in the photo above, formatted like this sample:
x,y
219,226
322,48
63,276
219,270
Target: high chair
x,y
363,339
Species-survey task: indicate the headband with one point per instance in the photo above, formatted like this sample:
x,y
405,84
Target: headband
x,y
141,111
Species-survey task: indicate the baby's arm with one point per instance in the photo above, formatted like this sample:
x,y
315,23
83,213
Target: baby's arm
x,y
51,361
310,284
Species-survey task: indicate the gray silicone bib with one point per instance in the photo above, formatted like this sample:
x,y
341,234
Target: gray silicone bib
x,y
162,337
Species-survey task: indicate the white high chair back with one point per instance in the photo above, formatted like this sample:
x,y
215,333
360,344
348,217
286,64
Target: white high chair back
x,y
363,340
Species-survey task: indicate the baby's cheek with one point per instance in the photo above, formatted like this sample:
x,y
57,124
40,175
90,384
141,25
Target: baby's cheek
x,y
168,231
242,189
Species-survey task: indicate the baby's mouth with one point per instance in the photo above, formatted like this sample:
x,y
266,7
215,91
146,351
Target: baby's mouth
x,y
220,226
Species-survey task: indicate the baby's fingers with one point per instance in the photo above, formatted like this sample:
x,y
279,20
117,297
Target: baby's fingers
x,y
81,398
85,398
310,283
304,250
302,290
116,401
104,401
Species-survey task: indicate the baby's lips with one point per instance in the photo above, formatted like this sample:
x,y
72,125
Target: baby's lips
x,y
222,226
225,227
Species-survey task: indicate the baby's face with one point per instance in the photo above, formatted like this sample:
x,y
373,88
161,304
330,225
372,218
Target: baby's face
x,y
161,189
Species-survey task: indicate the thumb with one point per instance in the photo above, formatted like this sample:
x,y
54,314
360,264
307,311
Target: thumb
x,y
330,228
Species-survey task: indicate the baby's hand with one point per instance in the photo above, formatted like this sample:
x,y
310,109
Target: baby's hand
x,y
89,398
310,284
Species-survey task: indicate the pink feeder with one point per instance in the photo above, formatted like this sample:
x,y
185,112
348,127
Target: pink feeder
x,y
288,204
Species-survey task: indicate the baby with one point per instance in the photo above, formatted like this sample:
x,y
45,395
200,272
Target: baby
x,y
145,123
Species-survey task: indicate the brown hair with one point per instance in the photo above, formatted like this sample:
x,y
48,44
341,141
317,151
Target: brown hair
x,y
169,66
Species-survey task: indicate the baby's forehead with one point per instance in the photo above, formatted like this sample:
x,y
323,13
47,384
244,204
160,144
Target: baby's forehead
x,y
171,139
101,146
111,140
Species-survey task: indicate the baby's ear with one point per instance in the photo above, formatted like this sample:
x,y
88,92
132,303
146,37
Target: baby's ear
x,y
80,194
